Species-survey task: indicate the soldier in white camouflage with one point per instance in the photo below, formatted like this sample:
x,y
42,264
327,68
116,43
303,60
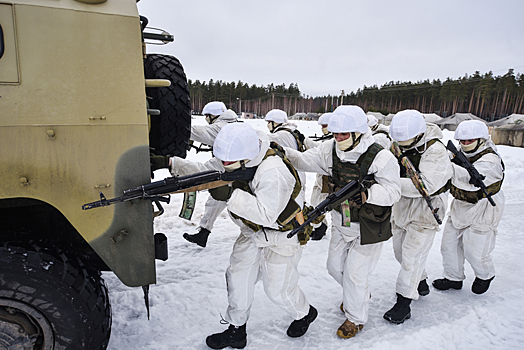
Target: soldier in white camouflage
x,y
471,230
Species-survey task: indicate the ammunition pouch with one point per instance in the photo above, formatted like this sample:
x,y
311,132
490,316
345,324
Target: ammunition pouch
x,y
375,223
222,193
289,212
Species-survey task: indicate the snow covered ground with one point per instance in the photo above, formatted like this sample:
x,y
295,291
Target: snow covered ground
x,y
190,293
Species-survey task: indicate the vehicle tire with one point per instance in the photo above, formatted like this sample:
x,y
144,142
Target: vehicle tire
x,y
50,300
170,131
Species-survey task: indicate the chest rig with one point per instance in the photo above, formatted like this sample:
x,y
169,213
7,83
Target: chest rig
x,y
375,224
344,172
474,196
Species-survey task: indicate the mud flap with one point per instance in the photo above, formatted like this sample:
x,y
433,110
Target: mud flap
x,y
146,299
188,205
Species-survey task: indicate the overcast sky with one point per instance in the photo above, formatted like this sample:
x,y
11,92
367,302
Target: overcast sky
x,y
326,46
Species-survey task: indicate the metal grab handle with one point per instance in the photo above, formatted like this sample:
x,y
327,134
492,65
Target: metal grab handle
x,y
2,46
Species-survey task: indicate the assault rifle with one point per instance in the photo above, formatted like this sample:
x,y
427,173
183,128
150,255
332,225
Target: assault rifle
x,y
476,178
201,148
414,175
334,200
159,191
321,138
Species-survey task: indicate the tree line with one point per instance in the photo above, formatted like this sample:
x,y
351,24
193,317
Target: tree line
x,y
484,95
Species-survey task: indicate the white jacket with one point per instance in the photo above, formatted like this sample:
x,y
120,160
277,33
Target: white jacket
x,y
385,167
481,216
272,187
435,171
286,139
207,134
381,138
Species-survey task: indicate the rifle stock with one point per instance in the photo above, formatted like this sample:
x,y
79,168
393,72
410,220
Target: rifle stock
x,y
476,178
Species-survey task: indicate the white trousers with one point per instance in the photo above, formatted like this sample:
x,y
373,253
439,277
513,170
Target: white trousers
x,y
467,244
212,210
279,274
351,264
411,248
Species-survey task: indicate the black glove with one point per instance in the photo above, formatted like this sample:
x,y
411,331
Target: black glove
x,y
159,162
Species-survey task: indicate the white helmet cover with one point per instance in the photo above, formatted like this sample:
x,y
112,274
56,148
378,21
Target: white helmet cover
x,y
214,108
406,125
348,119
324,119
236,141
372,120
471,129
276,115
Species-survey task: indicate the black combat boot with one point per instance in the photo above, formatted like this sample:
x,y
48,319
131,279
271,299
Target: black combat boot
x,y
445,284
235,337
199,238
319,232
480,286
423,288
298,328
400,311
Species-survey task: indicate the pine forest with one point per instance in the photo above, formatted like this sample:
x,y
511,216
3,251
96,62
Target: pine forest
x,y
484,95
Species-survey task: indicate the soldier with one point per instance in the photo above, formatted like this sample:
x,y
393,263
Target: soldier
x,y
262,250
357,234
320,191
414,225
286,134
217,116
282,131
472,225
379,131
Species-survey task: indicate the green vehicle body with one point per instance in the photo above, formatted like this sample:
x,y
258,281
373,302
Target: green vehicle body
x,y
74,123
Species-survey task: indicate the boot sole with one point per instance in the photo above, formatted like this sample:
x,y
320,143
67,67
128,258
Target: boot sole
x,y
446,288
189,239
236,345
424,293
309,321
456,288
408,316
341,334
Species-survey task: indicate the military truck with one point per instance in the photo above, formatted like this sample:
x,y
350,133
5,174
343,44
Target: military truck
x,y
82,107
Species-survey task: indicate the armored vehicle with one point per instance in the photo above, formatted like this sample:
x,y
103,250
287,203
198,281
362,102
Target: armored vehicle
x,y
82,107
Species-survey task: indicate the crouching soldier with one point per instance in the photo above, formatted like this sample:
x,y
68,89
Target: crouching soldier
x,y
471,229
359,228
262,250
414,225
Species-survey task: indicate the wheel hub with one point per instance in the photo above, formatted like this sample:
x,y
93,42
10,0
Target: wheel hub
x,y
23,327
